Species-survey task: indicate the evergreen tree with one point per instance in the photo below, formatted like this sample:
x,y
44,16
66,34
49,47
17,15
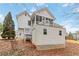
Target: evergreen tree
x,y
1,27
8,27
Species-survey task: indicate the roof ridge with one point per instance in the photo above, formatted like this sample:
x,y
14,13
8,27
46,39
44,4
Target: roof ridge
x,y
45,8
23,13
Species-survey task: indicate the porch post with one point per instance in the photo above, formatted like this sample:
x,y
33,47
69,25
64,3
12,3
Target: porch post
x,y
35,19
42,19
45,20
24,33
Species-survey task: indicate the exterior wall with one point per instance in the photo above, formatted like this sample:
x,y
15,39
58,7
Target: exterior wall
x,y
23,21
20,34
46,47
24,35
28,31
52,37
44,13
23,24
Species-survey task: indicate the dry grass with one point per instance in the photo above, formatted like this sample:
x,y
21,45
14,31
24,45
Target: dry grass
x,y
28,49
73,41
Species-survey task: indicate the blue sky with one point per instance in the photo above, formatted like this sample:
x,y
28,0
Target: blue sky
x,y
66,14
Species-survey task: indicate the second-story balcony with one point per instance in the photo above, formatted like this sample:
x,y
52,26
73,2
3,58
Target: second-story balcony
x,y
42,20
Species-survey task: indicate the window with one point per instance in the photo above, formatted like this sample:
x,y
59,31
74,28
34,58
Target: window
x,y
25,14
33,19
45,31
47,19
51,21
43,18
20,34
38,19
60,33
27,30
29,22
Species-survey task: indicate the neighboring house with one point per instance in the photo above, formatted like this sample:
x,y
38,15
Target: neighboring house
x,y
24,28
45,33
76,36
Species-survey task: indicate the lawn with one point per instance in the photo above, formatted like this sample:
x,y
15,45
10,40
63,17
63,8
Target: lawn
x,y
28,49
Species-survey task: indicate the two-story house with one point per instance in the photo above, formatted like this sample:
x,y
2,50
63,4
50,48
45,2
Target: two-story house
x,y
44,32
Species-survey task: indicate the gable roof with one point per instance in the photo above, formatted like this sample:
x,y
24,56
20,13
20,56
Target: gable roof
x,y
24,12
43,10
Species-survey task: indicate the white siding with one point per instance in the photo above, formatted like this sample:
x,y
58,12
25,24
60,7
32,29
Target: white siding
x,y
23,24
52,36
45,14
23,21
20,34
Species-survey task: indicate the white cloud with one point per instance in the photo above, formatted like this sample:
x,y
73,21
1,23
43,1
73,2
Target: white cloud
x,y
38,6
1,18
30,13
42,4
33,9
76,10
67,4
69,28
68,24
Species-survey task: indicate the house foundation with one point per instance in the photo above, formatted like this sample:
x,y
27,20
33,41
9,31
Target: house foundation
x,y
46,47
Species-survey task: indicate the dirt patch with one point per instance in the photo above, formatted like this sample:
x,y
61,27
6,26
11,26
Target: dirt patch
x,y
25,48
